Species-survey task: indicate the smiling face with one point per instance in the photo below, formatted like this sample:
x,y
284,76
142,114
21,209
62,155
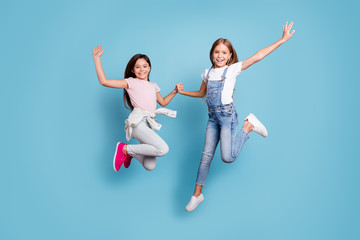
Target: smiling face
x,y
141,69
221,55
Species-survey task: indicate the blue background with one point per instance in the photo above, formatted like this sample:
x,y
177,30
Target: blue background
x,y
59,126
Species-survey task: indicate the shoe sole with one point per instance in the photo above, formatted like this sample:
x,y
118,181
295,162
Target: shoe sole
x,y
116,150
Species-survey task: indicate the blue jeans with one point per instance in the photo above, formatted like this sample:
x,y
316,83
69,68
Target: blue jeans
x,y
222,125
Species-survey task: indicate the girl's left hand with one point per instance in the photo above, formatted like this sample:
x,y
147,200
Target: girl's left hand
x,y
286,31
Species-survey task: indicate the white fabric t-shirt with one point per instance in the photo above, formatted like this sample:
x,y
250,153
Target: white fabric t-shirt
x,y
230,80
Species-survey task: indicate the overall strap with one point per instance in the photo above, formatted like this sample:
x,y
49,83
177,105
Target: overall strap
x,y
224,74
222,77
207,75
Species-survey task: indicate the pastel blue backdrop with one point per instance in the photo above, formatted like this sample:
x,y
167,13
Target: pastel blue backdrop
x,y
59,126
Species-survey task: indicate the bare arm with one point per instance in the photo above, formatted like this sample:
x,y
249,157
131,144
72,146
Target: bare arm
x,y
166,100
198,94
266,51
100,72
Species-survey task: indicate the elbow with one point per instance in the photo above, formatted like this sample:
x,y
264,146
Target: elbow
x,y
258,57
103,82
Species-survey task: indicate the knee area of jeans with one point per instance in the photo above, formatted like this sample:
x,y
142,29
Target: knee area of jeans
x,y
227,159
162,150
149,166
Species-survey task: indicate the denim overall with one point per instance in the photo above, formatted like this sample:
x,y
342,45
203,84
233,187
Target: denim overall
x,y
222,125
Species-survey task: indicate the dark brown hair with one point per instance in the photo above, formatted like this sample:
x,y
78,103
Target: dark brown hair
x,y
129,73
226,42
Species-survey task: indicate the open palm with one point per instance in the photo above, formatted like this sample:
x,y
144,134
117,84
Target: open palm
x,y
286,31
98,51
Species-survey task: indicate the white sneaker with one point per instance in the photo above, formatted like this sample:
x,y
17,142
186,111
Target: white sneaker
x,y
194,202
258,126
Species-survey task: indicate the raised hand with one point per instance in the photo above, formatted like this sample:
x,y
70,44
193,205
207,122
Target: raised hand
x,y
98,51
286,31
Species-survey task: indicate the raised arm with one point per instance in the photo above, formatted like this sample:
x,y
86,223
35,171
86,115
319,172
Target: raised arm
x,y
198,94
266,51
166,100
100,72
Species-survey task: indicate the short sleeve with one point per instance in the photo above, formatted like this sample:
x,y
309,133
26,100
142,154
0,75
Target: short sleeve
x,y
129,80
236,68
203,75
157,89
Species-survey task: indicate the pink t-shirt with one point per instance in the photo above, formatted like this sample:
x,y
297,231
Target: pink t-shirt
x,y
142,94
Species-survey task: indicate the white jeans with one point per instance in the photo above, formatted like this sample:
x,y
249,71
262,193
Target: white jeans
x,y
151,145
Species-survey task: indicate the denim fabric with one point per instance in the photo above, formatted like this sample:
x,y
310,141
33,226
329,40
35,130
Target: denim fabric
x,y
222,125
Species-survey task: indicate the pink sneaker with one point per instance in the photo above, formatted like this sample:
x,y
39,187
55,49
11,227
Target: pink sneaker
x,y
119,156
127,161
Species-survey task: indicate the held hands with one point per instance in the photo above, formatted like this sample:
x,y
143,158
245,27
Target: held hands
x,y
98,51
286,31
180,88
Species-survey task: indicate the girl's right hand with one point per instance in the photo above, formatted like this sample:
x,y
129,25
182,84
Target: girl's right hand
x,y
98,51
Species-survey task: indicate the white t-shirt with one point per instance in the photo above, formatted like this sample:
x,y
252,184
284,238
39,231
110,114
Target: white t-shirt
x,y
230,80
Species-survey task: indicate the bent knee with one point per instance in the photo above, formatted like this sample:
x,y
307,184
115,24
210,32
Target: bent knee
x,y
228,159
149,166
162,150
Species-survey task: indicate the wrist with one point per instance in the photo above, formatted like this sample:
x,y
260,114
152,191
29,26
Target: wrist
x,y
282,40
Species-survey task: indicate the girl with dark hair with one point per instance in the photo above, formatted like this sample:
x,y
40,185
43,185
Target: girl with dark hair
x,y
218,86
141,96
